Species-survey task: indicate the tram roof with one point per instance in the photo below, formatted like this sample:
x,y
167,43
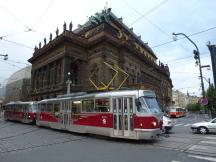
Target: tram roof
x,y
20,102
118,93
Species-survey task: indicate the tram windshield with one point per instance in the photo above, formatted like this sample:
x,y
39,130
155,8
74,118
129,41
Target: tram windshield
x,y
148,105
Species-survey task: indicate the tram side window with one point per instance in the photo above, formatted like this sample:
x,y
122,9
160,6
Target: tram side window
x,y
76,109
102,105
19,108
43,107
23,108
15,108
56,109
49,107
88,105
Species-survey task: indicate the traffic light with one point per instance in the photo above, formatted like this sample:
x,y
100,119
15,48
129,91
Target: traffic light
x,y
196,54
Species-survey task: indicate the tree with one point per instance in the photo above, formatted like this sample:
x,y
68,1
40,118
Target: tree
x,y
194,107
211,96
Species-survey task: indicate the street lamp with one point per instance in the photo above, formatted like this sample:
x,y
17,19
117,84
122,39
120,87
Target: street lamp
x,y
68,82
196,56
5,56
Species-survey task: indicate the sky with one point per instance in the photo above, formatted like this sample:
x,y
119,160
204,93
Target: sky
x,y
25,23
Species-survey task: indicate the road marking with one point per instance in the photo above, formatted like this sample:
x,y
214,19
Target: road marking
x,y
210,137
178,125
186,125
195,147
175,161
208,142
203,157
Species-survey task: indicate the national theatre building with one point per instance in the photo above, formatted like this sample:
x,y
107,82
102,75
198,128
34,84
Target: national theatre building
x,y
100,53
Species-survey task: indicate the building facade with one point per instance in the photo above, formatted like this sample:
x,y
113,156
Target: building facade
x,y
181,100
84,52
18,86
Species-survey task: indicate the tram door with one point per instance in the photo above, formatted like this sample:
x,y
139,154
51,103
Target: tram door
x,y
66,114
123,116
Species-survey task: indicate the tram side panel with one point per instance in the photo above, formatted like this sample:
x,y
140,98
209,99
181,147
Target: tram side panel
x,y
20,111
110,116
68,116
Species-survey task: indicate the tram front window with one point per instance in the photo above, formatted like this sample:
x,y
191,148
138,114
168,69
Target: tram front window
x,y
148,105
152,104
141,106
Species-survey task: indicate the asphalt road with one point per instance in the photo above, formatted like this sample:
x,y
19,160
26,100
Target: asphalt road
x,y
22,142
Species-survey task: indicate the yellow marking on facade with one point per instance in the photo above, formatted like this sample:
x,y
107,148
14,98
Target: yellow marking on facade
x,y
115,68
117,28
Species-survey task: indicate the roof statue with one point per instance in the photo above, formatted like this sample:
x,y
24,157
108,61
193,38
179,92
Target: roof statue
x,y
100,17
57,32
39,44
36,48
44,40
64,26
70,26
50,36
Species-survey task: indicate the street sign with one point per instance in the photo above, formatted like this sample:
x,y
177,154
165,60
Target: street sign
x,y
203,101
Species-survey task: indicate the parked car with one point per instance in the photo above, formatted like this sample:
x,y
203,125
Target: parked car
x,y
204,127
167,124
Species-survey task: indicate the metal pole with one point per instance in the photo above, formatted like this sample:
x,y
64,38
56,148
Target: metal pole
x,y
212,49
199,62
68,82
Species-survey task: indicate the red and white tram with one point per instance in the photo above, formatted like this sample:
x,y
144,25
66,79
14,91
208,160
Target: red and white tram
x,y
24,112
177,112
132,114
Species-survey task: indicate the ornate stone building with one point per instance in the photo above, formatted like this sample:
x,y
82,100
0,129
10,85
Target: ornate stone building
x,y
82,52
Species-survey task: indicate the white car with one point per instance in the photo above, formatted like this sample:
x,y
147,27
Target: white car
x,y
205,127
167,124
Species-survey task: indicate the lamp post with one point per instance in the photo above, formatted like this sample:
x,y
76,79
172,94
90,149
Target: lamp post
x,y
196,56
68,82
5,56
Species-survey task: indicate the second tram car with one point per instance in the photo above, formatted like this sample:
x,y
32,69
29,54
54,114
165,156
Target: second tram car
x,y
177,112
24,112
132,114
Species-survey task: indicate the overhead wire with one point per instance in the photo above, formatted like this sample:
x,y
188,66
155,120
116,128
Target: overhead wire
x,y
190,35
44,12
148,12
147,19
18,62
18,20
16,43
151,22
10,64
183,58
21,22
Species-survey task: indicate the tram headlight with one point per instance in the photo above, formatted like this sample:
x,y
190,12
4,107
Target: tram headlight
x,y
154,124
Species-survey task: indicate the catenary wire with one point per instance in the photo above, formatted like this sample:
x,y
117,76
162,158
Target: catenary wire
x,y
18,20
43,13
148,12
197,33
147,19
11,64
16,43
